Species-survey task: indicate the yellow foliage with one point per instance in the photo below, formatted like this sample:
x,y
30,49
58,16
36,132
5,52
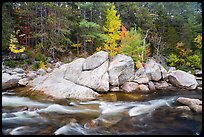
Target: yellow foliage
x,y
198,41
182,51
76,45
22,35
42,65
88,40
112,31
113,53
98,49
13,47
138,64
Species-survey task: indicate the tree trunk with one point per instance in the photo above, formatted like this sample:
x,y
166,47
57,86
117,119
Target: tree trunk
x,y
41,20
144,45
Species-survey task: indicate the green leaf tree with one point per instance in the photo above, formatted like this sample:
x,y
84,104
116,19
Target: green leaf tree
x,y
132,45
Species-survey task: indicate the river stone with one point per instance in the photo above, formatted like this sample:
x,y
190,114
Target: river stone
x,y
130,86
96,79
161,85
9,71
95,60
151,85
19,70
114,88
194,104
31,74
14,73
140,76
41,71
199,83
183,108
55,85
141,79
121,70
9,81
198,72
22,75
23,81
182,79
171,69
152,70
163,71
140,71
58,64
49,70
49,59
143,88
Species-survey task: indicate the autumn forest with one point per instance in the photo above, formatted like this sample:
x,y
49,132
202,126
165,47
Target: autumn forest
x,y
35,32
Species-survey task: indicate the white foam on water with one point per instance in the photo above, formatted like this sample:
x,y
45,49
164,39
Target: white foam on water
x,y
56,108
113,108
22,120
71,129
8,93
19,130
91,102
21,114
15,101
59,109
148,107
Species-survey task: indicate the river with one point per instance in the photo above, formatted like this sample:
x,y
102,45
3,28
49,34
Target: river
x,y
114,113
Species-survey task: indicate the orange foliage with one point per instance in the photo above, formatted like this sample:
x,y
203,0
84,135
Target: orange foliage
x,y
182,51
123,32
148,52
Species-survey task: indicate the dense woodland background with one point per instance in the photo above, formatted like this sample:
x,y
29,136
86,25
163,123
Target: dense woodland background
x,y
35,32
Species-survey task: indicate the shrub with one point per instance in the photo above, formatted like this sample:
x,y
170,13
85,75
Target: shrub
x,y
10,63
185,59
40,57
29,53
185,64
36,65
28,61
194,61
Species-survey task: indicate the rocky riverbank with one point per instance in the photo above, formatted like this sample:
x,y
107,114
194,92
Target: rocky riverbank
x,y
86,78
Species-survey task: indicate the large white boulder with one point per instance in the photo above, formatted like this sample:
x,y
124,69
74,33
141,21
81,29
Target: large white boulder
x,y
155,71
183,79
55,85
193,104
18,70
140,76
96,78
95,60
9,81
130,86
121,70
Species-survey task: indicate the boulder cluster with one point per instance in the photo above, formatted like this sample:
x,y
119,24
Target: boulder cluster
x,y
86,78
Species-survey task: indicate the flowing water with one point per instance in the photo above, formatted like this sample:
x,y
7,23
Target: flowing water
x,y
111,114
